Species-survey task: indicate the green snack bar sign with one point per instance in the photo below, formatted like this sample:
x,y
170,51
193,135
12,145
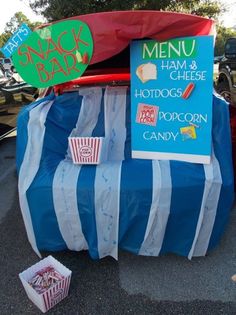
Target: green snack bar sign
x,y
54,54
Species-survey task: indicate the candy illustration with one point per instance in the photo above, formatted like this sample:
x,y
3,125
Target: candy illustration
x,y
188,132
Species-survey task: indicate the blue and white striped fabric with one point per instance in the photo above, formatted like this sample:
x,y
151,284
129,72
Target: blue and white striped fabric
x,y
147,207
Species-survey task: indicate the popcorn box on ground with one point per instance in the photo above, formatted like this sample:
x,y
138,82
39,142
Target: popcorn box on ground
x,y
55,293
87,150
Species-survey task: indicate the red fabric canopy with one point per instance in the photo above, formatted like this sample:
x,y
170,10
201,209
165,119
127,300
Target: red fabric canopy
x,y
112,31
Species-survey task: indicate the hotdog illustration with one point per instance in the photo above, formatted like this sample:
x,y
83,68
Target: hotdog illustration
x,y
189,89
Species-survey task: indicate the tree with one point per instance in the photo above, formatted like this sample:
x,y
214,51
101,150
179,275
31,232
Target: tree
x,y
3,38
17,20
13,25
60,9
209,8
223,34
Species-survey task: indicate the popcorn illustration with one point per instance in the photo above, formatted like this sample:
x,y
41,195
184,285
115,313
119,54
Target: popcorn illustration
x,y
147,72
147,114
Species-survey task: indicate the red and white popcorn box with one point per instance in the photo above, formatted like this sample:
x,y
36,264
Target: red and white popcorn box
x,y
87,150
55,293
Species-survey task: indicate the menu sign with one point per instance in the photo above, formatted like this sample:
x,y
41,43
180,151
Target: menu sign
x,y
171,99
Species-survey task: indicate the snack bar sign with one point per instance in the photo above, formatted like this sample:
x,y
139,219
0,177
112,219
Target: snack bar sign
x,y
171,99
55,54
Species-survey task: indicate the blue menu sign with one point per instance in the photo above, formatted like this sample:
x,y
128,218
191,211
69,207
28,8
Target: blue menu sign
x,y
171,99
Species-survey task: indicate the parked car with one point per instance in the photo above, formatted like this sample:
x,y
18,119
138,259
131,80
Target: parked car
x,y
7,63
14,93
217,59
226,84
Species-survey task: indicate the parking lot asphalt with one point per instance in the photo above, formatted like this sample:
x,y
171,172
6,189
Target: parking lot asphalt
x,y
132,285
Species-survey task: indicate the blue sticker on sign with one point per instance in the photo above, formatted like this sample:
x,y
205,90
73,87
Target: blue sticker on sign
x,y
16,40
171,95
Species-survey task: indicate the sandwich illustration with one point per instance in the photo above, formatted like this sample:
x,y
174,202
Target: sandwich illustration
x,y
147,72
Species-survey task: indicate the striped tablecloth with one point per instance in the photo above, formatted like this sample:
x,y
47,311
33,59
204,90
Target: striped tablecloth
x,y
147,207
